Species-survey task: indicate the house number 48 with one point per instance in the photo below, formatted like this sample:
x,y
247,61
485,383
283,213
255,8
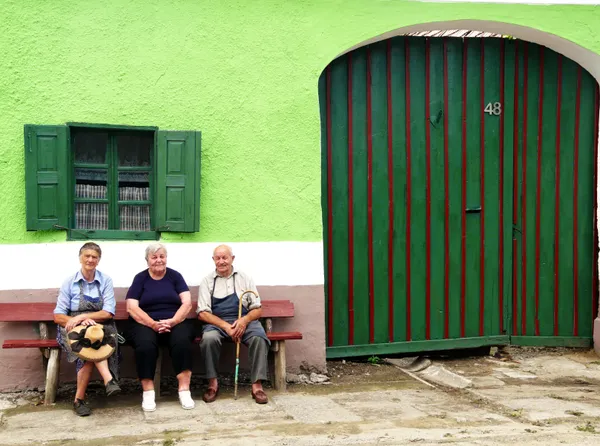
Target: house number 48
x,y
493,109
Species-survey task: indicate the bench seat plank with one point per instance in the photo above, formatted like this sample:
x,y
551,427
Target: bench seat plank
x,y
284,335
51,343
30,343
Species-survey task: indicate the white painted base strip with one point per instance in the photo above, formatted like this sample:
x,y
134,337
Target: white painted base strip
x,y
41,266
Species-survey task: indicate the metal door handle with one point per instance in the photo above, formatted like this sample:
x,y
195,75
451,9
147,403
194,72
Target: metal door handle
x,y
473,210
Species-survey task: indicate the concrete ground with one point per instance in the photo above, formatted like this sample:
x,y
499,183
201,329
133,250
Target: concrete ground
x,y
517,396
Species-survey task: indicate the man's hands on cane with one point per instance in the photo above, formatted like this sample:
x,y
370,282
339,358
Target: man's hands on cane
x,y
238,329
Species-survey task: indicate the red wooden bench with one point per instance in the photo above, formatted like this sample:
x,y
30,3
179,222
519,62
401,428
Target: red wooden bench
x,y
41,313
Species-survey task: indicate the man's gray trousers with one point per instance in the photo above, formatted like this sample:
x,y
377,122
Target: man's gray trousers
x,y
210,349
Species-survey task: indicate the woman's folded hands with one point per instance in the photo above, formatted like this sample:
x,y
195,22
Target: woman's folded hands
x,y
164,325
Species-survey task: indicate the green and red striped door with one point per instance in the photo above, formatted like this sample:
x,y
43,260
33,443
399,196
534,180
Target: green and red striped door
x,y
452,169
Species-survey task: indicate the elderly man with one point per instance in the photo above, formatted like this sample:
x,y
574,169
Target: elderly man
x,y
218,304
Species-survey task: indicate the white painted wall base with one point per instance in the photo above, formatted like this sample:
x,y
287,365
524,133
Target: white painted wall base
x,y
42,266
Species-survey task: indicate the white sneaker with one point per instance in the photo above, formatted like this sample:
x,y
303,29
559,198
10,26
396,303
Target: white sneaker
x,y
148,403
185,398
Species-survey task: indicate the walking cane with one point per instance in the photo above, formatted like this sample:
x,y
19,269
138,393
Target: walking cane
x,y
237,347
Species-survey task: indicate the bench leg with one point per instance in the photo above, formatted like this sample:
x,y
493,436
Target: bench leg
x,y
52,376
45,351
45,356
279,381
157,372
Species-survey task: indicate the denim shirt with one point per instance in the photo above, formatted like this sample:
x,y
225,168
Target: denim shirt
x,y
68,296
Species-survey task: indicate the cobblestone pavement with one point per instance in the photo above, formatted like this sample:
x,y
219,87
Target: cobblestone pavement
x,y
544,397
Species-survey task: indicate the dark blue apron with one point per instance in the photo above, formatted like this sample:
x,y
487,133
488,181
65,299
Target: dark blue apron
x,y
89,304
227,309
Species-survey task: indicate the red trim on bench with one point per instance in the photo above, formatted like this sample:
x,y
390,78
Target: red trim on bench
x,y
30,343
27,312
284,336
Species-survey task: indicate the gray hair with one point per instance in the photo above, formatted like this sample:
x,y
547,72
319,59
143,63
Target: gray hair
x,y
153,247
93,246
227,247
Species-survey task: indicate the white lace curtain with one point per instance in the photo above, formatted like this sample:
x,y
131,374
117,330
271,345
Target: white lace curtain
x,y
95,215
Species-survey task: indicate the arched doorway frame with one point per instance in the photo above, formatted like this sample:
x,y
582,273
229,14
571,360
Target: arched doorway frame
x,y
583,56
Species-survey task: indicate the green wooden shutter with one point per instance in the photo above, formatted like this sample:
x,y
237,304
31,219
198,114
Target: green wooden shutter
x,y
46,172
178,181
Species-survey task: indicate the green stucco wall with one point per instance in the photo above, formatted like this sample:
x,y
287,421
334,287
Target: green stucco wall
x,y
243,72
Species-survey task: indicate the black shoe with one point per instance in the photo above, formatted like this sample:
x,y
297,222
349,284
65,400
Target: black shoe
x,y
81,408
112,388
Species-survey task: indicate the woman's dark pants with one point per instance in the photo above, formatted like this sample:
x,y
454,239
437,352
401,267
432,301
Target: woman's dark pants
x,y
146,343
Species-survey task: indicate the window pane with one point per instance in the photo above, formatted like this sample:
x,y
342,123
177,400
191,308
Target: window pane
x,y
91,215
134,218
90,147
90,183
134,150
134,186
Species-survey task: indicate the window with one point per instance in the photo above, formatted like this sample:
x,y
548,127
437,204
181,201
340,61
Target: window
x,y
111,182
112,179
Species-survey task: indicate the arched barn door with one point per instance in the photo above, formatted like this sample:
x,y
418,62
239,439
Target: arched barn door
x,y
458,185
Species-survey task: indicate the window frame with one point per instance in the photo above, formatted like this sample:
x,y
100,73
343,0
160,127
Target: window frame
x,y
48,197
110,234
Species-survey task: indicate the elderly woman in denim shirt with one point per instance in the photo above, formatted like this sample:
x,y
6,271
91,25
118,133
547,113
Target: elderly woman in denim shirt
x,y
87,298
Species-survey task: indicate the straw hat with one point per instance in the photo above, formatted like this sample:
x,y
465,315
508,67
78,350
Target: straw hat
x,y
91,343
